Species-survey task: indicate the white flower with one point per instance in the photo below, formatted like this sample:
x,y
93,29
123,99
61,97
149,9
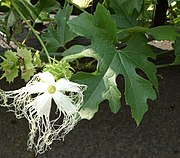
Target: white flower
x,y
34,101
82,3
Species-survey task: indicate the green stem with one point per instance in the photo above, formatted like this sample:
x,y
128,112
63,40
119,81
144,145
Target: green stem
x,y
34,31
164,65
18,44
27,36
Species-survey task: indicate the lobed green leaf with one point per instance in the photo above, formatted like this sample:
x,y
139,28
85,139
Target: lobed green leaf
x,y
59,35
10,66
101,84
165,32
26,65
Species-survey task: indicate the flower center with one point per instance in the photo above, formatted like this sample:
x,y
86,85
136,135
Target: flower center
x,y
51,89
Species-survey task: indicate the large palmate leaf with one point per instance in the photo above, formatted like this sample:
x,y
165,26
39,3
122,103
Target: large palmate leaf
x,y
164,32
132,4
58,36
101,31
123,17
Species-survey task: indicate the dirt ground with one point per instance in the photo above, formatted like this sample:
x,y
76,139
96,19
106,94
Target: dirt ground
x,y
108,135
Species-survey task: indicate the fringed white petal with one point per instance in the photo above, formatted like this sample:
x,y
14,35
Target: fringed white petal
x,y
46,77
34,103
66,85
3,98
41,104
37,83
36,87
43,130
16,101
65,104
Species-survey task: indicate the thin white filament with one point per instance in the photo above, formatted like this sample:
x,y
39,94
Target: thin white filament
x,y
34,103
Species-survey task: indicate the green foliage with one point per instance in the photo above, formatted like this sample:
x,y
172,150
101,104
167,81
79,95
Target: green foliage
x,y
171,1
58,36
123,18
111,62
5,5
39,12
37,60
2,21
114,23
21,60
11,23
125,34
10,66
25,63
14,22
59,69
131,5
164,33
174,11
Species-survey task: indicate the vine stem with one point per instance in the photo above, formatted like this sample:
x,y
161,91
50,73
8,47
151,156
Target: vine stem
x,y
27,36
164,65
34,31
